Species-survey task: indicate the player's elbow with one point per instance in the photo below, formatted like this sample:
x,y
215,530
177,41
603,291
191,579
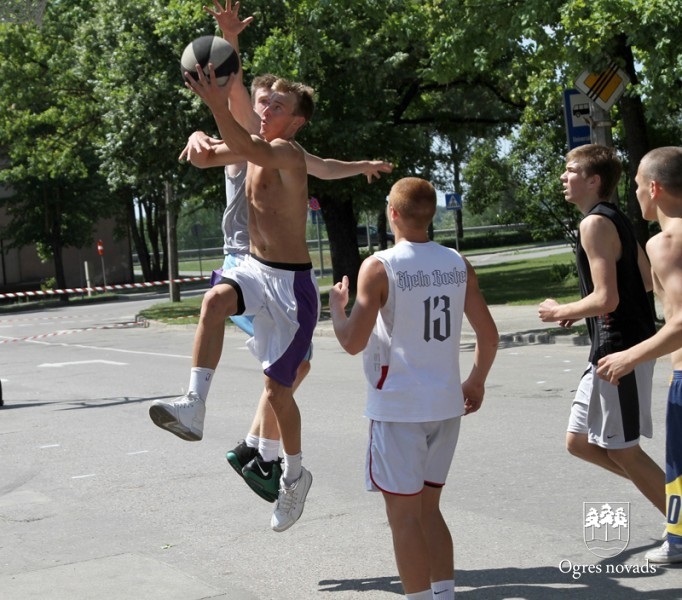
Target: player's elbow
x,y
352,346
349,343
610,303
605,302
199,160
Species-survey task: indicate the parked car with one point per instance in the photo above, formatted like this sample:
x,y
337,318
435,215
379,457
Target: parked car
x,y
361,233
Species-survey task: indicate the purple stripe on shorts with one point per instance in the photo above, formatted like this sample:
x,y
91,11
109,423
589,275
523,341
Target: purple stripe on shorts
x,y
283,370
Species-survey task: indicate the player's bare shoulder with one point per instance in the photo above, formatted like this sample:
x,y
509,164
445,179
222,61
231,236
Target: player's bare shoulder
x,y
665,248
596,226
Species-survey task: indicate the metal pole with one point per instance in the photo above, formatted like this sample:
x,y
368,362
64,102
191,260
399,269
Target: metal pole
x,y
173,289
104,273
600,120
319,243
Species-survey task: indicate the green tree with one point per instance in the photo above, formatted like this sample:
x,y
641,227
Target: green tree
x,y
47,127
146,113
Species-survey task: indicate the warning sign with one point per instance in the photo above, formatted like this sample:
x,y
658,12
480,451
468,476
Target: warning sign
x,y
605,88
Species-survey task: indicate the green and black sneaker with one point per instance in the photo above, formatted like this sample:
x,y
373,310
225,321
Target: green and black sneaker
x,y
240,456
263,477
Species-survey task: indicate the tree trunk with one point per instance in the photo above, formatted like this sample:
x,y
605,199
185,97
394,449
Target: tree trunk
x,y
382,228
636,138
340,220
134,227
54,226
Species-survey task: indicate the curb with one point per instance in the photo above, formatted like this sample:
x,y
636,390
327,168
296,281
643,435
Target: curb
x,y
523,338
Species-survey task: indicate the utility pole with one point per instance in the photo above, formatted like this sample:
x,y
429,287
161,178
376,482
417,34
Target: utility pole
x,y
173,289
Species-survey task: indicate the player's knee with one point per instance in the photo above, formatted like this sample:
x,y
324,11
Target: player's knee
x,y
575,445
217,304
278,396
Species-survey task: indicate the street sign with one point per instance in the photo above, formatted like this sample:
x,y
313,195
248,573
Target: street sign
x,y
453,201
316,217
605,88
577,116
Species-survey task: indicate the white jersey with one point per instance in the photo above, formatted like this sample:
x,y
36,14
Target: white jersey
x,y
235,217
412,358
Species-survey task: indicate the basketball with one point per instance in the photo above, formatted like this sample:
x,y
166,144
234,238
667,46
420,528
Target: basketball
x,y
210,49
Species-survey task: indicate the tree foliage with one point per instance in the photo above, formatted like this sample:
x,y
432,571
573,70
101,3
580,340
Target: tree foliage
x,y
466,93
48,120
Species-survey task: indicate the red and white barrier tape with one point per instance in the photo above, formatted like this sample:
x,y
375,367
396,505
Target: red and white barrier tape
x,y
139,322
99,288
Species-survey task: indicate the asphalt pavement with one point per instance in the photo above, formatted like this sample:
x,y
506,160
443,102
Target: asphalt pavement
x,y
98,503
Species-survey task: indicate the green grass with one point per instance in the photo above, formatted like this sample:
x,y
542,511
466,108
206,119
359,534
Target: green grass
x,y
185,312
530,281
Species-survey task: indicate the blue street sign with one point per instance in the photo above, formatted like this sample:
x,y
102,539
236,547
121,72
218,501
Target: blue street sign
x,y
577,114
453,201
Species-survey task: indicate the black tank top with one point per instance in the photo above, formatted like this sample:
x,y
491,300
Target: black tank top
x,y
633,320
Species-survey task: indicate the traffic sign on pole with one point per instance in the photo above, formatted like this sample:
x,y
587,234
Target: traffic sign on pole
x,y
605,88
453,201
577,116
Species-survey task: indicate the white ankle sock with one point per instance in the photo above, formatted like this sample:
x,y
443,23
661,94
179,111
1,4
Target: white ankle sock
x,y
425,595
251,440
292,468
200,381
268,449
445,590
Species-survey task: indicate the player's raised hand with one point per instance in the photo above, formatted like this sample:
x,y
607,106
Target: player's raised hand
x,y
228,18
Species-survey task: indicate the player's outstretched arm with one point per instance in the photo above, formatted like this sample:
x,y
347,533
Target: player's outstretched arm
x,y
231,26
330,168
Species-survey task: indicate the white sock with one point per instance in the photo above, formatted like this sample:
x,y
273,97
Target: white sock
x,y
444,590
425,595
292,468
268,449
251,441
200,381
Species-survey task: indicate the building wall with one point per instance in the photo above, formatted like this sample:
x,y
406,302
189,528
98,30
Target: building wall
x,y
22,268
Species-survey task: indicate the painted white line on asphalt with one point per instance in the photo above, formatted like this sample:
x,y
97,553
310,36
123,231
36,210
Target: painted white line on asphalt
x,y
50,446
137,452
108,349
83,476
83,362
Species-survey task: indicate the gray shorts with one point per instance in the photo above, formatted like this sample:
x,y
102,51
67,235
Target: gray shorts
x,y
404,457
613,416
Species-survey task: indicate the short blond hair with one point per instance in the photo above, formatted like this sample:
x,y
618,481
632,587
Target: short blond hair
x,y
415,201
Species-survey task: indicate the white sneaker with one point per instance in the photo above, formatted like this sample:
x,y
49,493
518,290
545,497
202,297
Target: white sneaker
x,y
291,501
184,416
666,554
